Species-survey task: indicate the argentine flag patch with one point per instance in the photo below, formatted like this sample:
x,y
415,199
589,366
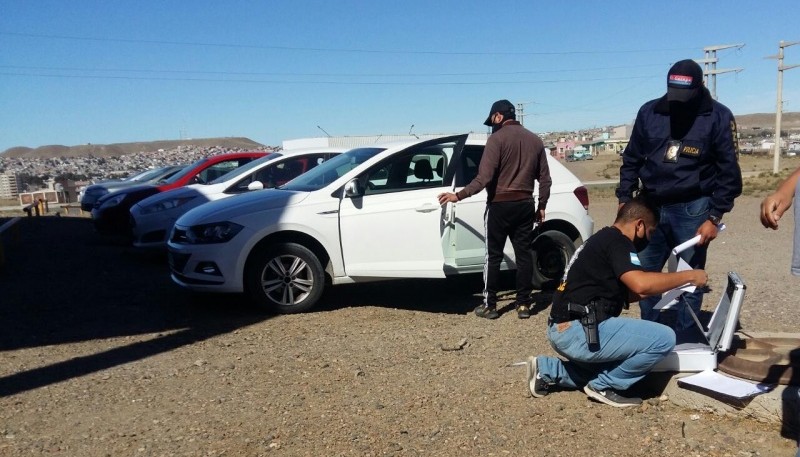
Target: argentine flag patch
x,y
635,259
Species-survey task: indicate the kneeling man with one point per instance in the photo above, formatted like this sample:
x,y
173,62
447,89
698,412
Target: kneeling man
x,y
606,354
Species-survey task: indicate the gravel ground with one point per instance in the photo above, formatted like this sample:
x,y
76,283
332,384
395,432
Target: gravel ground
x,y
103,356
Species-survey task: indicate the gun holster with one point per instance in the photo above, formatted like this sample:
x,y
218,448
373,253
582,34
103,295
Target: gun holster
x,y
589,323
589,320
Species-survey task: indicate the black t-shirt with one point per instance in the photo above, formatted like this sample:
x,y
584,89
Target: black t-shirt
x,y
595,272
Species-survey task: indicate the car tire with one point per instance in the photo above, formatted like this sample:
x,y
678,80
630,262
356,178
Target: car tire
x,y
284,278
551,253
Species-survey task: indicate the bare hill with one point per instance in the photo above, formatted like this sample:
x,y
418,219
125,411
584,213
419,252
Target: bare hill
x,y
118,149
789,121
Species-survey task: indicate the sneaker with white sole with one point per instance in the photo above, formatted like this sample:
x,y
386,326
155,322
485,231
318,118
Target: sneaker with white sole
x,y
536,384
611,397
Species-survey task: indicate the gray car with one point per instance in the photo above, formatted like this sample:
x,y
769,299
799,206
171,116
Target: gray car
x,y
92,193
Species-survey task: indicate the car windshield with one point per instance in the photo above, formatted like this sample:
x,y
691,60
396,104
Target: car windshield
x,y
245,168
331,170
187,170
149,174
143,175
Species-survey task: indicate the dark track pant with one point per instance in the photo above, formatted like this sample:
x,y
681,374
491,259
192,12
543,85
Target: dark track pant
x,y
512,220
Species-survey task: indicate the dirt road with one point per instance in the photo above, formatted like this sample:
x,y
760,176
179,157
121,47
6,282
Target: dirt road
x,y
102,355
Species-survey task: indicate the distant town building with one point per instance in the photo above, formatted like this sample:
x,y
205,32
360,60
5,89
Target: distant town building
x,y
621,132
53,193
9,186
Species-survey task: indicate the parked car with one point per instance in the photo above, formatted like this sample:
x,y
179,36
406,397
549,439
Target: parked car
x,y
579,155
370,213
111,213
153,218
89,195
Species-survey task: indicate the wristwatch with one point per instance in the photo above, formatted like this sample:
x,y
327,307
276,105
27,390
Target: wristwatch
x,y
715,219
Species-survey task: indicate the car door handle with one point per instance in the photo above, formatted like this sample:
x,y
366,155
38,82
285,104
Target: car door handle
x,y
426,208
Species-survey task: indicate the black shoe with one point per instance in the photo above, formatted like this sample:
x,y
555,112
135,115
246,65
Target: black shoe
x,y
536,384
523,311
611,397
489,312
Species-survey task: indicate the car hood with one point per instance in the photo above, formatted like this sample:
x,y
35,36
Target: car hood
x,y
233,207
142,188
180,192
112,185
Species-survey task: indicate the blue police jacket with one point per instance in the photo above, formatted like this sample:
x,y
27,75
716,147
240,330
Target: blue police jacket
x,y
704,164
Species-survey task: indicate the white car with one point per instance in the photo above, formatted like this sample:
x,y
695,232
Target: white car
x,y
153,217
370,213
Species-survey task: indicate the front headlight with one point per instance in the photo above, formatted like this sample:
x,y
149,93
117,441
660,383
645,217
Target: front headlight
x,y
113,201
218,232
164,205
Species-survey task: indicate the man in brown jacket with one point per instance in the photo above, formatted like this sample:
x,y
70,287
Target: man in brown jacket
x,y
514,158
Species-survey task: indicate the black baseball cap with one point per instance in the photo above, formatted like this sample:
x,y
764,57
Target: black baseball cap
x,y
684,81
500,106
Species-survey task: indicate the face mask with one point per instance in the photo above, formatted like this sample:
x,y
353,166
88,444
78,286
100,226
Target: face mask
x,y
496,127
640,243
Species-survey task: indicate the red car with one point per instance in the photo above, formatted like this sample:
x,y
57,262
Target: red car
x,y
111,213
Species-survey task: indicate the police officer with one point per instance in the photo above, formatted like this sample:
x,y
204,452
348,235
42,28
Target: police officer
x,y
684,151
606,354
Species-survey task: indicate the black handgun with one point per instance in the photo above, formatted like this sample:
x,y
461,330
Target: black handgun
x,y
589,323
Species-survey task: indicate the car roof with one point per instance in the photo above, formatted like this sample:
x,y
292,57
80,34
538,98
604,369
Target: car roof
x,y
311,150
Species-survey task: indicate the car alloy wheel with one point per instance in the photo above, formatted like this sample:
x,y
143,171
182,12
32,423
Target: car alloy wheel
x,y
284,278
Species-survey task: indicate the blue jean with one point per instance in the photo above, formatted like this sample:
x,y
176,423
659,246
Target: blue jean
x,y
679,222
629,348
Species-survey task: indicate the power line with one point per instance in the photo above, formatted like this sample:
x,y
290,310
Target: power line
x,y
138,70
320,49
357,83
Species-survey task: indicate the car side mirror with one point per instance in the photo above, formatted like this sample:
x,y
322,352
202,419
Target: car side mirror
x,y
255,185
352,189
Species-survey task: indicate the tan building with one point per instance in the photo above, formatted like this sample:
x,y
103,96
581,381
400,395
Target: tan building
x,y
9,186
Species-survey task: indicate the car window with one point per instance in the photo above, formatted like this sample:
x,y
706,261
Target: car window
x,y
331,170
279,173
218,169
408,170
470,159
185,172
244,168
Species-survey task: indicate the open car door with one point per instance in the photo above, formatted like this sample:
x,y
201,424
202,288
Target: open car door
x,y
390,218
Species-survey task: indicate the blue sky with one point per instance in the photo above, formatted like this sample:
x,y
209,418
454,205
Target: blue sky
x,y
111,72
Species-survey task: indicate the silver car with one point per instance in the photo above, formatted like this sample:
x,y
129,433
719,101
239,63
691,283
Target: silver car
x,y
92,193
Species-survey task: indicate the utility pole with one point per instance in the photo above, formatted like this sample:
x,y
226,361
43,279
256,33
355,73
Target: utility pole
x,y
779,107
521,112
710,68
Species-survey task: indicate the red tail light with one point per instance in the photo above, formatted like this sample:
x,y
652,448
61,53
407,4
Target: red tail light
x,y
583,196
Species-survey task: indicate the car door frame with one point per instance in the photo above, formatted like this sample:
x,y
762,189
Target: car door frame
x,y
421,218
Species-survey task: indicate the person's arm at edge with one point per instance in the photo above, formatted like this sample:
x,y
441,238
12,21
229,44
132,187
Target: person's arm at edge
x,y
774,205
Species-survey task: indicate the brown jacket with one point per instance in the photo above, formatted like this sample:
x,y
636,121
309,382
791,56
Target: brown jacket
x,y
514,158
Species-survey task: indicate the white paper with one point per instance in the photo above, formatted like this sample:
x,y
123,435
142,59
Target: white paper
x,y
671,297
685,245
732,387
